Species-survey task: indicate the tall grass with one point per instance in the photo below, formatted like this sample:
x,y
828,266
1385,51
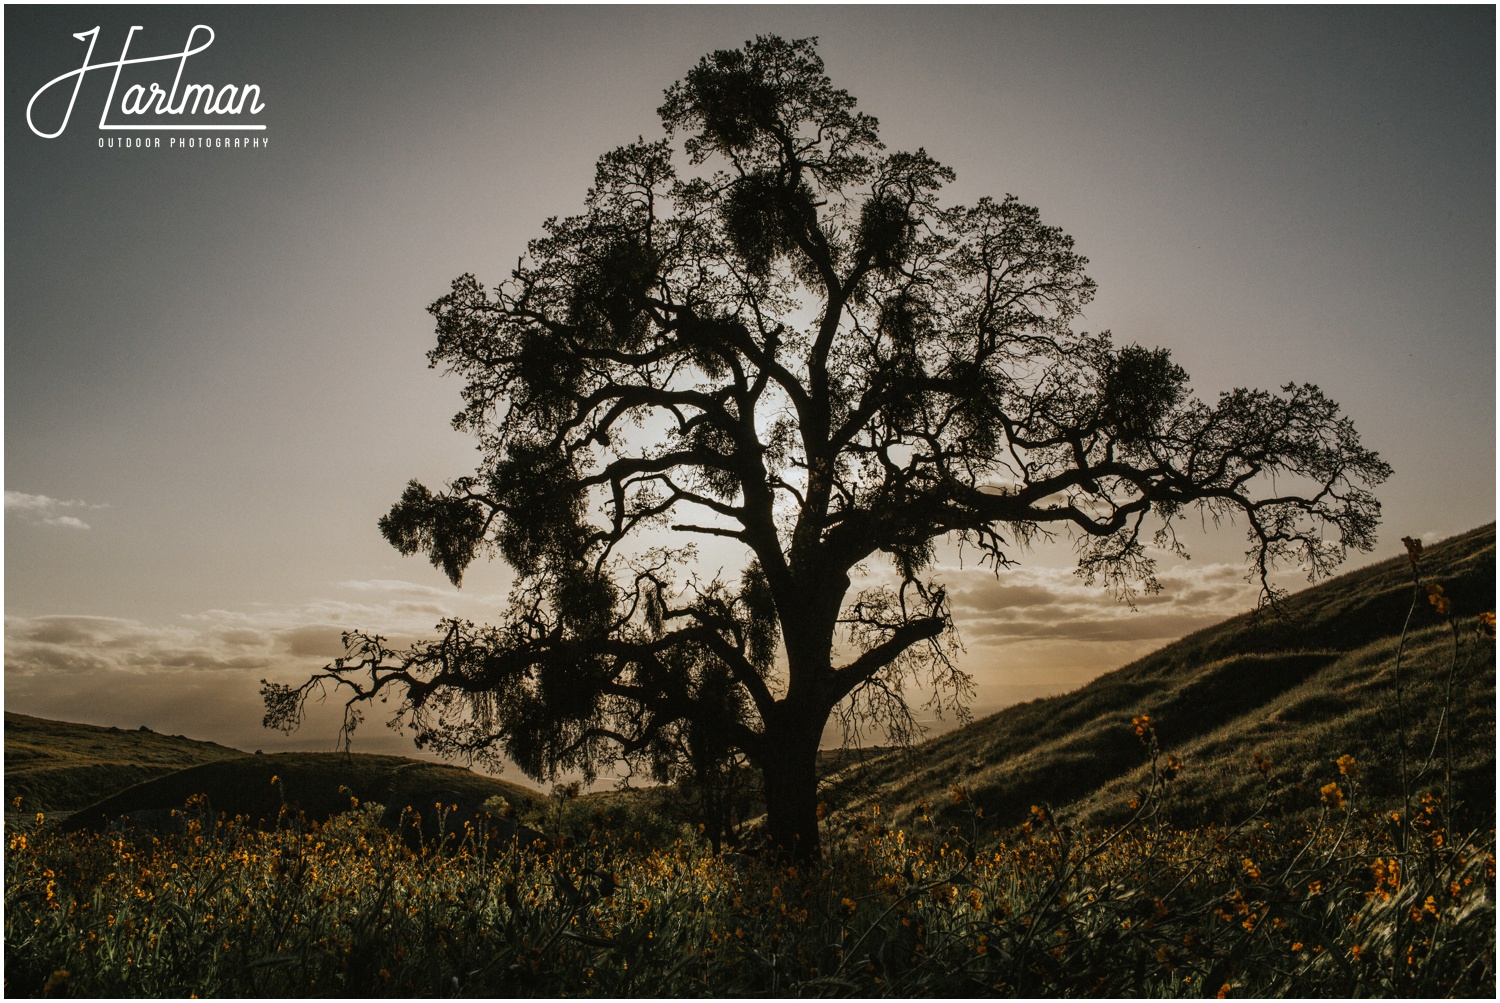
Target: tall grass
x,y
1308,904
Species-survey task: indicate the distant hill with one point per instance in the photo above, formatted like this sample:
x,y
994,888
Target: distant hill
x,y
316,784
82,775
1301,690
57,766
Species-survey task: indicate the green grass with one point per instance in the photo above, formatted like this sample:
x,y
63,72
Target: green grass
x,y
1301,690
317,785
83,775
1287,905
59,767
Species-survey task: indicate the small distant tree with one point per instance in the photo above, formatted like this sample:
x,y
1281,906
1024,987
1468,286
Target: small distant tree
x,y
780,341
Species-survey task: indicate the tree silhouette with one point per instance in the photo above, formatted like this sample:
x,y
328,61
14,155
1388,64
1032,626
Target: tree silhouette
x,y
778,340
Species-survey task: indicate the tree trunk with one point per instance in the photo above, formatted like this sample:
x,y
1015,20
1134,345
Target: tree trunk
x,y
789,771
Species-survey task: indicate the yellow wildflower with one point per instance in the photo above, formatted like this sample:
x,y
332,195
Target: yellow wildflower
x,y
1440,602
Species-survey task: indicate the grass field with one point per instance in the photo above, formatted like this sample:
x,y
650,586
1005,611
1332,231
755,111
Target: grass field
x,y
1322,904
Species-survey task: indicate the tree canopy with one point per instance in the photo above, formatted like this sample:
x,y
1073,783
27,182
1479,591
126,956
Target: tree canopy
x,y
779,338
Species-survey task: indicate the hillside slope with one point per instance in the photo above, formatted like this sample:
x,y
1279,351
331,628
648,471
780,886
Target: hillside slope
x,y
58,766
82,775
1301,690
317,784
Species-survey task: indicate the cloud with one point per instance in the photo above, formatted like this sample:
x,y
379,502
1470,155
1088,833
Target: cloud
x,y
45,511
291,640
73,645
199,674
208,705
1039,603
391,586
1031,630
315,641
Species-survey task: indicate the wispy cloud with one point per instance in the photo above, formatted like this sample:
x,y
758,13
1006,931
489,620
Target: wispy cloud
x,y
45,511
200,674
1026,604
89,644
1029,631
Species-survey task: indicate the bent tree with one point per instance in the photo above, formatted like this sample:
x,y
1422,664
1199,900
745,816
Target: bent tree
x,y
778,342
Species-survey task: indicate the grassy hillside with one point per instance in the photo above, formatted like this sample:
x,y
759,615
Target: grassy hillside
x,y
55,766
1301,690
318,784
83,774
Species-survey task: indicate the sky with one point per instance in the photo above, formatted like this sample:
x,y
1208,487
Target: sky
x,y
215,373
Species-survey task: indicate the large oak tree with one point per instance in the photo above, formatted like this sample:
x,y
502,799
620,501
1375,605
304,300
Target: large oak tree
x,y
778,339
